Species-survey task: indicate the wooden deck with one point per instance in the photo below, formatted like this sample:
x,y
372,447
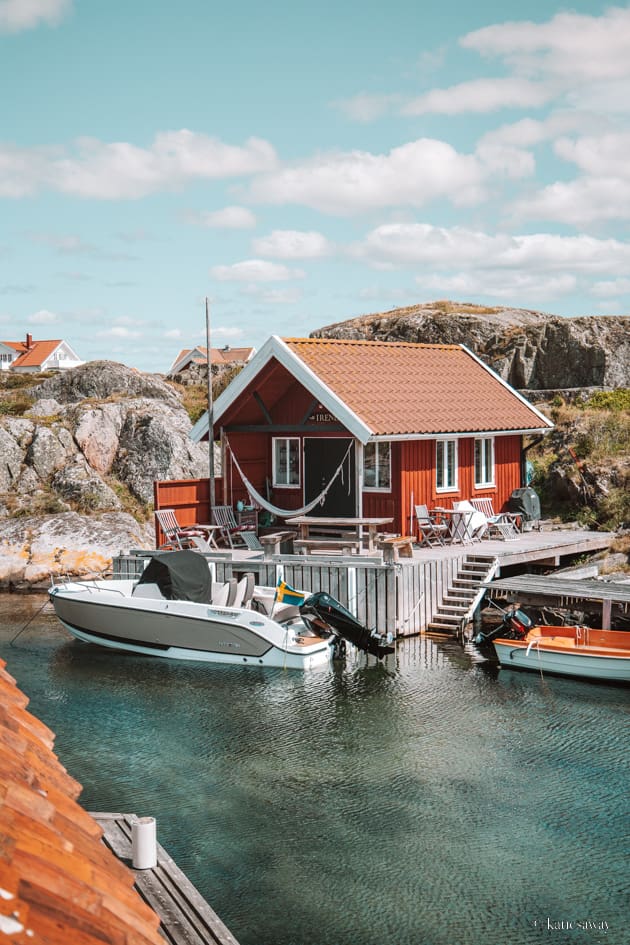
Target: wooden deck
x,y
545,548
402,597
185,916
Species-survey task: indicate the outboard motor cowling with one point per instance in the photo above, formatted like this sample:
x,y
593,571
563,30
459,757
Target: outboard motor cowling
x,y
322,608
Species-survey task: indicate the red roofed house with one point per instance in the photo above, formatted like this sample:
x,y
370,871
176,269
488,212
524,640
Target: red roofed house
x,y
34,356
199,355
408,423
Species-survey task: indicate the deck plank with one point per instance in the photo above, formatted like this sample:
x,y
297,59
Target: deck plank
x,y
185,916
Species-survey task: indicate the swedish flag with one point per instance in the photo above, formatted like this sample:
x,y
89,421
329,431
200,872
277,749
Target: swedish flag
x,y
285,594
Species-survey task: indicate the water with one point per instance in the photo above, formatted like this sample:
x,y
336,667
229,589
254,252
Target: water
x,y
431,799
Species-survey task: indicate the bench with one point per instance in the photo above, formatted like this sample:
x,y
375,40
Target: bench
x,y
398,546
345,546
271,543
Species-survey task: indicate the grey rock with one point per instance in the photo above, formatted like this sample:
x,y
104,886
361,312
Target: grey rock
x,y
528,349
48,452
97,432
11,458
32,549
78,483
46,407
154,445
101,380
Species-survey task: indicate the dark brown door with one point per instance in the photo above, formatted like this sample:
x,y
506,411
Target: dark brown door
x,y
322,456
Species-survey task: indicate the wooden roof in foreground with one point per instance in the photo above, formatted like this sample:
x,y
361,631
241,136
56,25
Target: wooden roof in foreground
x,y
58,883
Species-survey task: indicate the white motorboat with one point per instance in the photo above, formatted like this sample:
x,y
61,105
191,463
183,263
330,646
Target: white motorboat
x,y
174,610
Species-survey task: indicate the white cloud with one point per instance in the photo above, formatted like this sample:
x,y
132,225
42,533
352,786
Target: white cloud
x,y
119,331
274,296
451,249
364,107
603,156
120,170
293,244
357,181
577,202
570,46
613,287
229,218
479,95
499,284
255,270
18,15
43,317
227,331
174,333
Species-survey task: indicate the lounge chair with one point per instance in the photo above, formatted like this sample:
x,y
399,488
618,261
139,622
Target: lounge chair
x,y
430,532
501,524
178,537
229,529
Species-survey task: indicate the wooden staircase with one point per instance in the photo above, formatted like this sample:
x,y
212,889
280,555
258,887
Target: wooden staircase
x,y
463,595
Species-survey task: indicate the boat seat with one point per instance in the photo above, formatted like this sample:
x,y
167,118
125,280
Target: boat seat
x,y
244,590
220,594
148,591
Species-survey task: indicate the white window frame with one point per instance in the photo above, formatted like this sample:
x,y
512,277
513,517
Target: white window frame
x,y
379,463
274,467
486,445
447,486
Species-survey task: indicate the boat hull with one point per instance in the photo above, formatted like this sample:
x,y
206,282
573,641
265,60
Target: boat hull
x,y
515,654
111,617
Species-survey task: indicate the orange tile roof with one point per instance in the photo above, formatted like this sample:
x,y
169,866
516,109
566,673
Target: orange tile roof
x,y
59,883
33,356
399,388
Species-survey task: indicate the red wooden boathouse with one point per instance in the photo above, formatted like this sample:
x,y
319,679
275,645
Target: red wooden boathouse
x,y
399,423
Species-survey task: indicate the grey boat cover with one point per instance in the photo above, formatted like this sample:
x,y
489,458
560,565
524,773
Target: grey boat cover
x,y
180,575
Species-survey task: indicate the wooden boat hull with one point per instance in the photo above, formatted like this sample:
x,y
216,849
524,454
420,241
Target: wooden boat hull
x,y
569,651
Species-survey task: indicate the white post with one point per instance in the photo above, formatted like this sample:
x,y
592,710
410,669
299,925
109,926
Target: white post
x,y
143,843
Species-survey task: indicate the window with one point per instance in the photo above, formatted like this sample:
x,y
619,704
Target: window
x,y
484,461
286,462
445,465
377,466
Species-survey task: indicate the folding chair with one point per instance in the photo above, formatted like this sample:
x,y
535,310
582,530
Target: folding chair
x,y
430,532
505,523
223,516
179,537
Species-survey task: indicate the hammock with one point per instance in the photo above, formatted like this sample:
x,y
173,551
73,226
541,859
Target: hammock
x,y
286,513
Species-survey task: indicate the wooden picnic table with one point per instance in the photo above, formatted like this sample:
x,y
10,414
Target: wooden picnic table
x,y
358,524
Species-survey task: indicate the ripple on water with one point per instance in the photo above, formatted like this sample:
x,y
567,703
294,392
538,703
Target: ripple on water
x,y
427,799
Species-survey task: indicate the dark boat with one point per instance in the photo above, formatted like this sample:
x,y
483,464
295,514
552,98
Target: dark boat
x,y
320,608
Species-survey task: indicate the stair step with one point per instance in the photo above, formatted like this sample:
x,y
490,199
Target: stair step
x,y
452,598
463,582
449,604
442,627
450,619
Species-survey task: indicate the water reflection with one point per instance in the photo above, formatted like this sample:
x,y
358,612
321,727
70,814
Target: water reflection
x,y
430,798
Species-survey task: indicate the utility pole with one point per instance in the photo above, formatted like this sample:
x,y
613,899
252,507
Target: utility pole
x,y
210,412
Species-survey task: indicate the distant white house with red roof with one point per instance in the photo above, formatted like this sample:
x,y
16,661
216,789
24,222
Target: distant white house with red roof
x,y
31,356
218,356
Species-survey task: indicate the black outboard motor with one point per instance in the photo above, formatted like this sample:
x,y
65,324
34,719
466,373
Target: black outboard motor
x,y
514,626
321,607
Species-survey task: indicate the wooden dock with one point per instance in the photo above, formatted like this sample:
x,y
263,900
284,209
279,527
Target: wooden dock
x,y
185,916
401,597
564,593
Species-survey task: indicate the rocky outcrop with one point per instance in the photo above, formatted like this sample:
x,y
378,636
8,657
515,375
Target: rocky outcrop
x,y
90,432
529,350
35,549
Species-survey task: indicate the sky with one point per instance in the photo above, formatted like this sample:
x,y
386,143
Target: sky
x,y
300,164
